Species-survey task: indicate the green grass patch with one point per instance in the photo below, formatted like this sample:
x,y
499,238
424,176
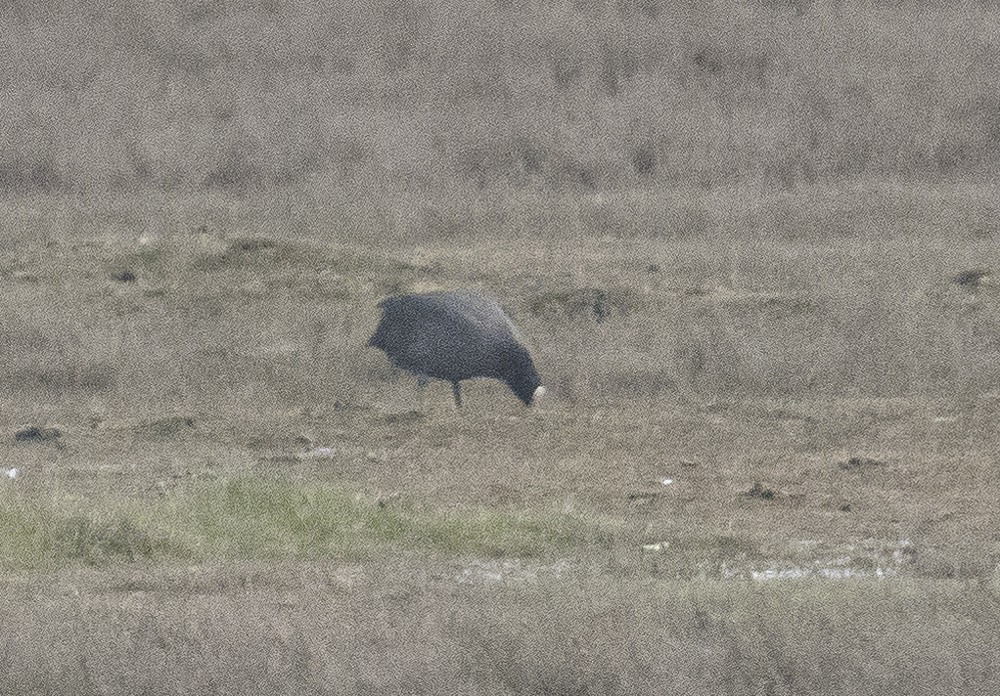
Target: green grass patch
x,y
259,519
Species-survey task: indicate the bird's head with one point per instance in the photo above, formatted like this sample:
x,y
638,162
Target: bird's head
x,y
518,371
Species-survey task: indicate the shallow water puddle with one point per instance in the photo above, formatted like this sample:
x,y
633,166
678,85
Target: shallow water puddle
x,y
511,571
811,559
801,559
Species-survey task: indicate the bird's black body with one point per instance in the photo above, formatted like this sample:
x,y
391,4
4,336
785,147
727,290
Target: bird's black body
x,y
455,336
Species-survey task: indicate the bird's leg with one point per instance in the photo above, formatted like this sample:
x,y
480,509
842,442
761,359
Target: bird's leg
x,y
457,391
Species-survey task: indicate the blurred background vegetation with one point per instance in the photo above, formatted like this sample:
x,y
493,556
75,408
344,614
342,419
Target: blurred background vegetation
x,y
524,94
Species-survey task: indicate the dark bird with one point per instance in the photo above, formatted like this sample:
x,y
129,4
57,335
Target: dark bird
x,y
455,336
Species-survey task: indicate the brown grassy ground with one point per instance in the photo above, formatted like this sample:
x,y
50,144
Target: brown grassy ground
x,y
242,491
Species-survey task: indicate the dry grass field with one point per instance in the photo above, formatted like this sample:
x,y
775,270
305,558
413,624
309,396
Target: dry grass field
x,y
208,453
749,247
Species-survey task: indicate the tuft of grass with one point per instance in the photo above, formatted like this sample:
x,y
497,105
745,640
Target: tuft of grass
x,y
247,518
243,519
98,542
165,427
582,303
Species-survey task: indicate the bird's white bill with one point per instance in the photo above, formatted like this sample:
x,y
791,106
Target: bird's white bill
x,y
539,393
